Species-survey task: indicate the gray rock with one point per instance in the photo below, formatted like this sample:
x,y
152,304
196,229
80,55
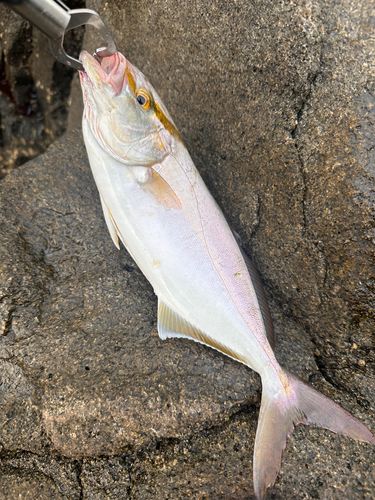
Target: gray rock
x,y
275,103
85,376
30,487
80,351
34,89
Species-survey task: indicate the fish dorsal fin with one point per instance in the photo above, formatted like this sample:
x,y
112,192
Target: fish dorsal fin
x,y
259,290
263,304
171,325
110,223
261,296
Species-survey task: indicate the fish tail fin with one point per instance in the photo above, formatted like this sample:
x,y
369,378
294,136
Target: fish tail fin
x,y
281,412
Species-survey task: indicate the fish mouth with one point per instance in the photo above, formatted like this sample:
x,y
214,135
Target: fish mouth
x,y
109,70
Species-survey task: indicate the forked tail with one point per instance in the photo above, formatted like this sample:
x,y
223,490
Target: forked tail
x,y
280,413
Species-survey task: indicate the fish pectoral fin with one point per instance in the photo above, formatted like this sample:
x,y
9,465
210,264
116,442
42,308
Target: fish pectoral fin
x,y
110,222
171,325
159,188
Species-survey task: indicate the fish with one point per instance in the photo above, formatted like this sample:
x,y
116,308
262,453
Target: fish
x,y
155,202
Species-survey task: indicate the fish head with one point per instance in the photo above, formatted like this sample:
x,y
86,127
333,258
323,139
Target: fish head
x,y
125,114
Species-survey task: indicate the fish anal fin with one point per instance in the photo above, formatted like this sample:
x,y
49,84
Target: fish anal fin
x,y
111,225
171,325
161,191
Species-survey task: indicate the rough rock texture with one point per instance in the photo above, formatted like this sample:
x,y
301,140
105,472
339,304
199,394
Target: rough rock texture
x,y
93,403
275,102
34,89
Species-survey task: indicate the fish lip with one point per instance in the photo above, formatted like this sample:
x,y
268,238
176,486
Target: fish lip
x,y
90,64
110,70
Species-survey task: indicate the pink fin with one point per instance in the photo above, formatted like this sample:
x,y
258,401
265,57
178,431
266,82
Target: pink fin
x,y
279,414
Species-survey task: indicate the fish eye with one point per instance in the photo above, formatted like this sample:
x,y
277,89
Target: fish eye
x,y
144,99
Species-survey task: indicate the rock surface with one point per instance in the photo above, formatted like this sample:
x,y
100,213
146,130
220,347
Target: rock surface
x,y
34,89
275,103
94,403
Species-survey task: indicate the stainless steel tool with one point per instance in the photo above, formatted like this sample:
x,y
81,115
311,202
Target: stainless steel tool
x,y
54,19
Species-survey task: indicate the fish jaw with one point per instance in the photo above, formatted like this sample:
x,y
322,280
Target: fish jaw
x,y
110,74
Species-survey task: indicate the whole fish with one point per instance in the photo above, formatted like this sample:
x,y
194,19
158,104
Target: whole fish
x,y
156,203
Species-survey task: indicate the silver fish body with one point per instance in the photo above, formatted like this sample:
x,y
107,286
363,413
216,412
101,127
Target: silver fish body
x,y
186,253
155,201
